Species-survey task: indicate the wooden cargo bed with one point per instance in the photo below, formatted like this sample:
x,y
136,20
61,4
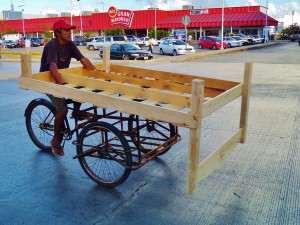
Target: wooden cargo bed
x,y
176,98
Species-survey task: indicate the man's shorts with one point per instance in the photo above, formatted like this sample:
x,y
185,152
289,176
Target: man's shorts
x,y
59,103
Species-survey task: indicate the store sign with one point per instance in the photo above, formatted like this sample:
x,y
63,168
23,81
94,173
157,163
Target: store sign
x,y
199,11
120,17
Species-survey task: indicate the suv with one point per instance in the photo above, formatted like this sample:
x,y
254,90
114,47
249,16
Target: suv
x,y
106,40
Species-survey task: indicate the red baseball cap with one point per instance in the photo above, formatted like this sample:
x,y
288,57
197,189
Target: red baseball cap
x,y
62,25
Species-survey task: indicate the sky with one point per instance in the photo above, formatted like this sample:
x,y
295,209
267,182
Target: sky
x,y
280,10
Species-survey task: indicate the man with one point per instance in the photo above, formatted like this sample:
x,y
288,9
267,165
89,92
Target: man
x,y
57,54
150,45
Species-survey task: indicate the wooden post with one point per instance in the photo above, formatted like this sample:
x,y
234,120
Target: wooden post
x,y
106,58
245,100
197,101
26,65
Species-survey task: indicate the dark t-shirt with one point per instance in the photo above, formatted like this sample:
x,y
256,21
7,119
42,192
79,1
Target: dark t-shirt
x,y
61,55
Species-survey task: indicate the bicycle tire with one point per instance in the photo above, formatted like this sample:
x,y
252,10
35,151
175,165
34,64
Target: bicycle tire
x,y
96,143
159,130
39,117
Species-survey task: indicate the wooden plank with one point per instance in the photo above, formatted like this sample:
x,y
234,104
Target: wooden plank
x,y
174,77
126,106
195,136
217,102
128,90
245,100
106,58
216,159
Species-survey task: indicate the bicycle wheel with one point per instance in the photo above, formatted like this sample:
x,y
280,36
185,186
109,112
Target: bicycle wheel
x,y
151,133
40,115
104,154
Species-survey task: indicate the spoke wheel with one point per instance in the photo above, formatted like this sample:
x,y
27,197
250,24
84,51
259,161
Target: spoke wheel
x,y
200,46
39,118
125,57
151,133
174,53
104,154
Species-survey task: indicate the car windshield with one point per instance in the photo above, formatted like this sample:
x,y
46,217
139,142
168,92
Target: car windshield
x,y
178,42
129,47
229,39
217,39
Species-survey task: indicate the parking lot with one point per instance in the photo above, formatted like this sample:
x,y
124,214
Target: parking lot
x,y
259,183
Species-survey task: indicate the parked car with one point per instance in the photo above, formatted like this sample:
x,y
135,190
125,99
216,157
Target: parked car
x,y
175,47
102,41
262,40
136,41
255,40
9,44
81,41
232,42
238,38
295,37
145,40
21,43
127,51
243,36
36,42
211,42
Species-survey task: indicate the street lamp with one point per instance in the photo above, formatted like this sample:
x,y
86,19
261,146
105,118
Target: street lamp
x,y
222,30
80,15
21,6
155,30
102,6
293,23
266,26
71,19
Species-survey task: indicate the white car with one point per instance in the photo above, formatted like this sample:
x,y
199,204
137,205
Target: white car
x,y
232,42
145,40
136,41
175,47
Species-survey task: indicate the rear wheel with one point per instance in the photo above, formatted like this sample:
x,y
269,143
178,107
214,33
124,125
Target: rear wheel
x,y
104,154
148,134
161,51
91,48
229,45
214,47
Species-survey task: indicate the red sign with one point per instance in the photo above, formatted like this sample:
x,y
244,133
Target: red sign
x,y
121,16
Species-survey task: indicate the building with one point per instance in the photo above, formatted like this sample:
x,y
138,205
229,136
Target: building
x,y
203,21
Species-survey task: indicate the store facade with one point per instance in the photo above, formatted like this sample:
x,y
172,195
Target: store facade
x,y
243,19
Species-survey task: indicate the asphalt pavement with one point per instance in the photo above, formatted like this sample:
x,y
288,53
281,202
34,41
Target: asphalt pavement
x,y
259,183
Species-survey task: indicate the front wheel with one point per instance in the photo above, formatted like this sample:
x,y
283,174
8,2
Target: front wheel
x,y
214,47
200,46
104,154
125,57
174,53
161,51
39,116
91,48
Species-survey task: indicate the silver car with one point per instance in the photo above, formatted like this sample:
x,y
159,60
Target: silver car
x,y
175,47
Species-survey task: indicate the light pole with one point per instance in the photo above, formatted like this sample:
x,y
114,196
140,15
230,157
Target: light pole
x,y
102,6
222,30
80,15
71,19
266,26
155,30
293,23
21,6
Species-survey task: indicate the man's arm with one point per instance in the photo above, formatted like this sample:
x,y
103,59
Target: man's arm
x,y
55,73
87,64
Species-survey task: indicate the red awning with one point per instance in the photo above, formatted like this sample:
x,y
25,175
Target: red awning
x,y
211,20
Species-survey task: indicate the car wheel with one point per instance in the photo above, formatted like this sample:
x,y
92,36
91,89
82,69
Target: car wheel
x,y
161,51
125,57
80,43
229,45
174,53
214,47
200,46
91,48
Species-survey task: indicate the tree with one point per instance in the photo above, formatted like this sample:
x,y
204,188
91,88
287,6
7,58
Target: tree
x,y
114,32
160,33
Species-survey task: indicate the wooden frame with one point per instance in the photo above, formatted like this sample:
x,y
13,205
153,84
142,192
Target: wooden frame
x,y
180,99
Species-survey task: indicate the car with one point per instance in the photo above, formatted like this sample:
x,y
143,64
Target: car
x,y
243,36
36,42
21,43
238,38
255,40
163,39
9,44
136,41
232,42
175,47
102,41
81,41
145,40
127,51
294,37
211,42
262,40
